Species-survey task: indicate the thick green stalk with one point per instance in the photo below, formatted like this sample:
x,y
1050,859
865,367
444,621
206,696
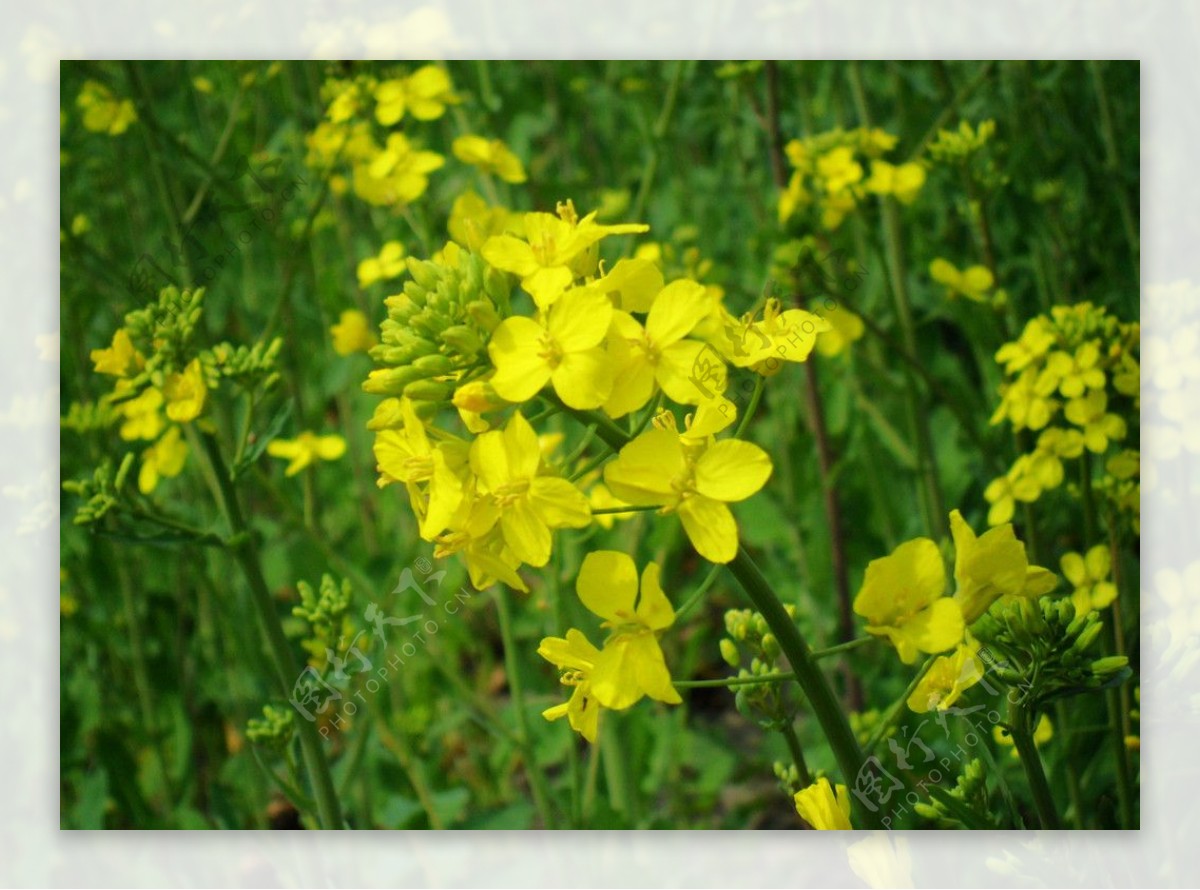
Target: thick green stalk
x,y
1021,725
282,658
812,682
793,743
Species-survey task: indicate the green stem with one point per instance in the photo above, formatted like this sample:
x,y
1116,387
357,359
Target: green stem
x,y
1020,720
660,130
537,781
812,682
793,742
282,658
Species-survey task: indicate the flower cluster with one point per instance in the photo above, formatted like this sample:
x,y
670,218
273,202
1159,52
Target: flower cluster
x,y
615,341
163,381
904,598
828,174
1078,363
102,111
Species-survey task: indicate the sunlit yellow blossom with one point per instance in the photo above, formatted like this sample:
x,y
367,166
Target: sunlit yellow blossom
x,y
781,335
1042,733
1074,374
972,283
424,94
839,170
1015,485
352,333
142,416
305,449
903,181
694,478
429,472
844,328
1088,574
186,392
1035,341
164,459
80,224
530,505
793,197
576,657
902,599
632,284
1045,462
835,208
631,664
554,251
346,98
948,678
396,175
566,351
120,359
473,221
1089,413
475,533
387,265
1021,403
657,354
490,156
990,566
823,808
102,111
202,85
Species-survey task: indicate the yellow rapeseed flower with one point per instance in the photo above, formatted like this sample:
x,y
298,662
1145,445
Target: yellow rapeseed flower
x,y
823,808
305,449
631,664
388,264
902,181
120,359
352,333
658,354
102,111
948,678
529,503
165,458
490,156
424,94
1088,574
142,415
844,328
566,351
186,392
554,251
694,478
397,175
902,598
576,657
972,283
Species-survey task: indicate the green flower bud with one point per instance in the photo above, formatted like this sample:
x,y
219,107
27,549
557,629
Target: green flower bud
x,y
729,652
